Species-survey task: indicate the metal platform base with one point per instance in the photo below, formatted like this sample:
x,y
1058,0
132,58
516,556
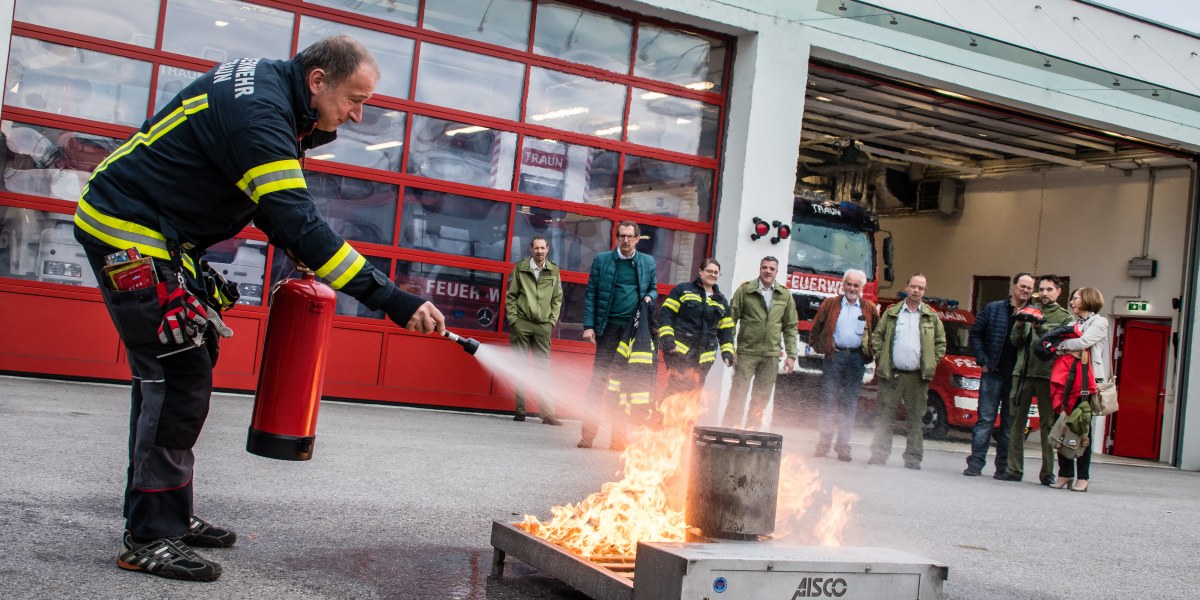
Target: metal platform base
x,y
734,569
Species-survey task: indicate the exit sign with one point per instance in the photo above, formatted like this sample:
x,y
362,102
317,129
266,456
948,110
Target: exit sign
x,y
1137,306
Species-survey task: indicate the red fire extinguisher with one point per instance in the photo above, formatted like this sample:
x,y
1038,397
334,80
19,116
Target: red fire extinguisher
x,y
284,425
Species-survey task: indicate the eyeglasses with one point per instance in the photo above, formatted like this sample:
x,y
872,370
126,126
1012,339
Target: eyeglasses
x,y
622,236
710,272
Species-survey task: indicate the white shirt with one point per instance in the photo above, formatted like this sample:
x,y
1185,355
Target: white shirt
x,y
537,271
850,325
767,293
906,345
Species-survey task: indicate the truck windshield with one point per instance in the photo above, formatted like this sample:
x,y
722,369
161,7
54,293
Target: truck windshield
x,y
957,339
829,248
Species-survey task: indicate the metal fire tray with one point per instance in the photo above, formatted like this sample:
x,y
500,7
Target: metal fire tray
x,y
593,580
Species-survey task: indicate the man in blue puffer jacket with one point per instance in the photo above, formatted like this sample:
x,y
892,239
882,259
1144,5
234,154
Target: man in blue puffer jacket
x,y
996,356
617,282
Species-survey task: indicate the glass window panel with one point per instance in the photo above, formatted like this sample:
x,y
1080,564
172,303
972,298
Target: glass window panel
x,y
458,225
673,123
356,209
243,263
568,172
574,239
130,21
674,56
347,306
657,187
80,83
393,53
583,36
377,141
49,162
469,299
170,81
400,11
471,82
677,254
220,30
570,320
462,153
41,246
573,103
502,22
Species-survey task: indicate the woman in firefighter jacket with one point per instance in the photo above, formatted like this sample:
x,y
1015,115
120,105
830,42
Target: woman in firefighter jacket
x,y
694,325
223,152
1092,347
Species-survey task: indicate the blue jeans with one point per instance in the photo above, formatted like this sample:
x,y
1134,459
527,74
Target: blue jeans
x,y
994,390
840,386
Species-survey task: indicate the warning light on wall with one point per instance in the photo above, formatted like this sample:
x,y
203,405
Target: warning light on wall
x,y
761,228
782,231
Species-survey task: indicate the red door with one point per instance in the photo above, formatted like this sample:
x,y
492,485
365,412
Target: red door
x,y
1141,371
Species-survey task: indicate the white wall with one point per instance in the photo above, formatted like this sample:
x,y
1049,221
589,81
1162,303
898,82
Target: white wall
x,y
1083,224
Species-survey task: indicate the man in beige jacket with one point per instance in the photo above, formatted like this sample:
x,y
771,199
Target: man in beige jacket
x,y
533,304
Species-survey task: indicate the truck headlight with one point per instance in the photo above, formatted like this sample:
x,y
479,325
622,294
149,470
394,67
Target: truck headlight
x,y
963,382
61,269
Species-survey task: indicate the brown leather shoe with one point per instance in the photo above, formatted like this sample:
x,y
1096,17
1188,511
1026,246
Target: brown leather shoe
x,y
550,421
584,444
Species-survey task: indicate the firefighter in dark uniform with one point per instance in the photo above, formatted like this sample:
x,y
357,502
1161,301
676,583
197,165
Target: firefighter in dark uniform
x,y
694,325
224,152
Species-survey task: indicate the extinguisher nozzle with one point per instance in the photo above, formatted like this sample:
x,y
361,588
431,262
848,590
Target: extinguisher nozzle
x,y
468,344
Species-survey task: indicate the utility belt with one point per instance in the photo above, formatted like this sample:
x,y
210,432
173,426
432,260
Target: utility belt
x,y
194,275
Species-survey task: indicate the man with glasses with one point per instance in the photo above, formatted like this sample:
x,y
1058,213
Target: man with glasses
x,y
617,282
842,332
766,319
996,356
532,305
1031,378
223,152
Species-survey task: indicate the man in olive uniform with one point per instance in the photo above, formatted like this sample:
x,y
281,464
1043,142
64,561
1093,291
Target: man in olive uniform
x,y
766,318
532,304
1031,378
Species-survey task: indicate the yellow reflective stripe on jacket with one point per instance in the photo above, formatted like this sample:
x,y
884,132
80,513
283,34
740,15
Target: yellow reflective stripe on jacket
x,y
681,347
190,106
614,385
727,348
345,264
725,323
122,234
714,303
639,398
623,349
672,304
274,176
666,330
641,358
707,357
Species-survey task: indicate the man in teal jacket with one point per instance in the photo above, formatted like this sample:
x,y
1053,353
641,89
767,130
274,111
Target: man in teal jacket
x,y
766,317
617,281
908,344
532,304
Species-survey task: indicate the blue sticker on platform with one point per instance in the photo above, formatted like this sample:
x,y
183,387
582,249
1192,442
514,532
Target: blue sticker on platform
x,y
719,585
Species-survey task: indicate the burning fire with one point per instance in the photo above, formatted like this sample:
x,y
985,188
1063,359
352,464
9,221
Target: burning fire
x,y
647,503
611,522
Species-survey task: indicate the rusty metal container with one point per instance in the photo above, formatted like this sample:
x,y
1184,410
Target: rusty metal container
x,y
733,486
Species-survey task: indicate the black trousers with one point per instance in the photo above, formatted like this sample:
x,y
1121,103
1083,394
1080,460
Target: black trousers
x,y
603,406
169,403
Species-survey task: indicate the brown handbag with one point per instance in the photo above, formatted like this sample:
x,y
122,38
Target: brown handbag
x,y
1104,401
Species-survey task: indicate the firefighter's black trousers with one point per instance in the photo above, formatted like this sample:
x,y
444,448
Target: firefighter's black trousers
x,y
170,401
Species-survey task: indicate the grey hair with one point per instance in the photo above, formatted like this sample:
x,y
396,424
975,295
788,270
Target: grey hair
x,y
862,276
339,56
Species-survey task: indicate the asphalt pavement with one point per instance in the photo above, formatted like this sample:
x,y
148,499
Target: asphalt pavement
x,y
398,503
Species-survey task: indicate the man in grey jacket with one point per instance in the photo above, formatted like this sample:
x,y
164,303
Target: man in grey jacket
x,y
533,304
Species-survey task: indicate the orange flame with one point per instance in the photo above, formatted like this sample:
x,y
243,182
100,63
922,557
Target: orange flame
x,y
797,486
637,508
833,518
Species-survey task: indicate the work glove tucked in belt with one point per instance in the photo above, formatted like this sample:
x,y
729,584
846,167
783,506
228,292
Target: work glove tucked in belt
x,y
183,315
223,294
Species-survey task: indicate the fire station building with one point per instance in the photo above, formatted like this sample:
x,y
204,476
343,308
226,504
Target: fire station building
x,y
1051,136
